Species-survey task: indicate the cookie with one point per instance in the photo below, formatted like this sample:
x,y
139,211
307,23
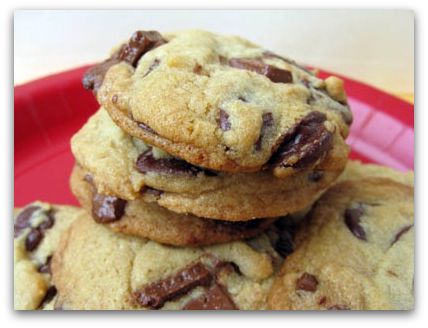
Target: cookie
x,y
128,168
96,269
37,230
221,102
355,251
149,220
355,170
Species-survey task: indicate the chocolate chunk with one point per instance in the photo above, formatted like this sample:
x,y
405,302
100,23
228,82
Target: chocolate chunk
x,y
48,223
352,221
338,307
267,122
146,127
94,77
147,163
307,282
215,298
50,294
316,176
322,300
401,233
223,120
304,144
139,43
107,209
273,73
22,221
33,239
46,268
156,294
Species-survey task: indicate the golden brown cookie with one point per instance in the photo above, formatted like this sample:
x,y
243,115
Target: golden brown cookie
x,y
37,229
97,269
221,102
355,252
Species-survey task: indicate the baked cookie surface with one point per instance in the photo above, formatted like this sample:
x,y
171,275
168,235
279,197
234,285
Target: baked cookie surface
x,y
221,102
96,269
356,252
37,230
127,168
149,220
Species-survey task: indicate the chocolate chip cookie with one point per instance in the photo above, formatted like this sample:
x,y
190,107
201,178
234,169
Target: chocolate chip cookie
x,y
221,102
355,252
127,168
96,269
37,229
149,220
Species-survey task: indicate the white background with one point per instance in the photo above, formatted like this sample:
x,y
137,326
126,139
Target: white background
x,y
8,318
374,46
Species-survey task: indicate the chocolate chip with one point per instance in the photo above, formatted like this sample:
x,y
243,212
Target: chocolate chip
x,y
215,298
94,77
338,307
322,300
315,176
140,43
171,166
156,294
146,127
33,239
114,99
401,233
46,268
223,120
48,223
273,73
307,282
307,141
352,221
267,122
107,209
50,294
22,221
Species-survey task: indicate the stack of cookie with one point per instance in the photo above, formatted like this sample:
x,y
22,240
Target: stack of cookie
x,y
205,152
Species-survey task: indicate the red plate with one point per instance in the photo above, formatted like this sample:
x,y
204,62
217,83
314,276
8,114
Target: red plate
x,y
49,111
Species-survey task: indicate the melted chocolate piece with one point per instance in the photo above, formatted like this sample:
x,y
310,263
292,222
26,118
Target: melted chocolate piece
x,y
22,221
308,141
401,233
147,163
273,73
307,282
94,77
139,43
267,119
33,239
352,221
107,209
338,307
223,121
156,294
50,294
215,298
46,268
